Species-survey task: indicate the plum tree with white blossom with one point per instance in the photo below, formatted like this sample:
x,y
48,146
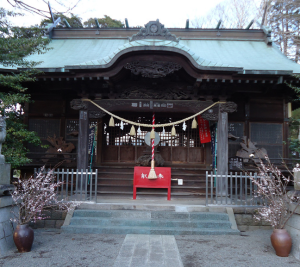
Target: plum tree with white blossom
x,y
34,195
271,187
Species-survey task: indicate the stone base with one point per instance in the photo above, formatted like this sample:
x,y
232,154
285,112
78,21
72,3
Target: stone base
x,y
246,222
6,227
293,227
5,173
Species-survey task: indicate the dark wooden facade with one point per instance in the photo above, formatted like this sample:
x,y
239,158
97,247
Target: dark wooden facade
x,y
259,104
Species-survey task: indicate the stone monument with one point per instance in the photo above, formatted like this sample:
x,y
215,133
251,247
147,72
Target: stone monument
x,y
4,167
2,137
6,202
296,171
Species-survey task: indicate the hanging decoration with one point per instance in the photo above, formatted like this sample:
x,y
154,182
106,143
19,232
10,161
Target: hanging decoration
x,y
132,131
122,125
152,174
139,130
194,124
204,131
92,145
213,129
111,122
173,132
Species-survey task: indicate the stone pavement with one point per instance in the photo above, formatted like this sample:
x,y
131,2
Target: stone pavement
x,y
148,251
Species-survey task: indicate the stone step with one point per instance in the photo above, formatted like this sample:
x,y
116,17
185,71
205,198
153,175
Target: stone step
x,y
154,223
135,214
120,219
164,205
92,229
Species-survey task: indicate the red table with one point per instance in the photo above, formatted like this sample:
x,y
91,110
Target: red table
x,y
140,179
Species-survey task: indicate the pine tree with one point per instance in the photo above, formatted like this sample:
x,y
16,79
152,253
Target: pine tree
x,y
15,44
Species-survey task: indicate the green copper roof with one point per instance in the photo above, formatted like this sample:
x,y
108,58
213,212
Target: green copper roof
x,y
220,54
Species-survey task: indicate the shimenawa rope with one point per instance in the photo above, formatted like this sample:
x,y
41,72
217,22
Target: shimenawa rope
x,y
153,125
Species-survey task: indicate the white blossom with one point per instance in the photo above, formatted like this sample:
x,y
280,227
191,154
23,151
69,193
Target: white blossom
x,y
271,189
34,195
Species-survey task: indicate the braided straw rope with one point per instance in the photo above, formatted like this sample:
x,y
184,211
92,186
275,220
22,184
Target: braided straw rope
x,y
153,125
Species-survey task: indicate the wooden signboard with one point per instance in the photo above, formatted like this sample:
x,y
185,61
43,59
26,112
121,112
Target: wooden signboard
x,y
235,163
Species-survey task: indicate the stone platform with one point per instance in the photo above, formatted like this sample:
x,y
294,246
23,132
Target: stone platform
x,y
293,227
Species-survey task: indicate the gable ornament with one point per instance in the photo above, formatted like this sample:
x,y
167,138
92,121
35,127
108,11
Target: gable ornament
x,y
154,30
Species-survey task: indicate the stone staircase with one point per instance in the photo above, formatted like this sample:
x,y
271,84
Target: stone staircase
x,y
158,222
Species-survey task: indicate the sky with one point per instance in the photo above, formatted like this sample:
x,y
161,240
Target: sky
x,y
172,13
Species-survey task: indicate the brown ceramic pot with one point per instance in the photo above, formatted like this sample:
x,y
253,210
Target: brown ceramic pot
x,y
23,237
281,242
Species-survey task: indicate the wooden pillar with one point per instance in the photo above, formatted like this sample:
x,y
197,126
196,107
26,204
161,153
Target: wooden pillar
x,y
286,132
247,118
82,152
222,152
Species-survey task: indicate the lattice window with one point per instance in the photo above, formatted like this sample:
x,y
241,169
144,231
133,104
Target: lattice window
x,y
72,129
119,135
44,128
269,136
194,137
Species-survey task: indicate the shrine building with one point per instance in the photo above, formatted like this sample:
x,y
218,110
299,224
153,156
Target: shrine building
x,y
236,76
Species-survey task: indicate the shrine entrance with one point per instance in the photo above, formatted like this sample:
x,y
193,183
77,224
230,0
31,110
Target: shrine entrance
x,y
120,147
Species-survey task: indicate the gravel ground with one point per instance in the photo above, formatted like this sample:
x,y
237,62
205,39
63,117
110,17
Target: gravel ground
x,y
252,248
53,248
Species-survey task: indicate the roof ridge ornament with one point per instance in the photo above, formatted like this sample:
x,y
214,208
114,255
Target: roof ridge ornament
x,y
154,30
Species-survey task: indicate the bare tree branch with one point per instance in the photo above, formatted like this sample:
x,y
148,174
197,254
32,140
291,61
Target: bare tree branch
x,y
23,5
232,13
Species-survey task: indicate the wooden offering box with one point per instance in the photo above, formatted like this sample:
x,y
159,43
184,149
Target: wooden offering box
x,y
140,179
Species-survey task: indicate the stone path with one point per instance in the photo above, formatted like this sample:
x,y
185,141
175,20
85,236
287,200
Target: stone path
x,y
148,251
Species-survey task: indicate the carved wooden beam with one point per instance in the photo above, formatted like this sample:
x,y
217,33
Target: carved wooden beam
x,y
228,107
96,114
152,69
210,116
78,104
